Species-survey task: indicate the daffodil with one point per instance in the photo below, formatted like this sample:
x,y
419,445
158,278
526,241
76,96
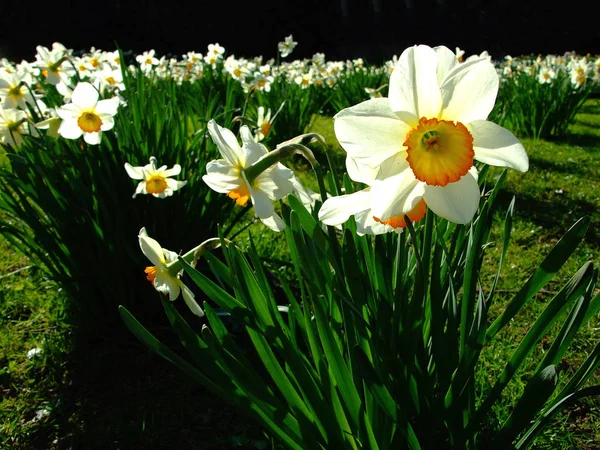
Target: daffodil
x,y
427,135
287,46
155,180
86,115
233,175
161,275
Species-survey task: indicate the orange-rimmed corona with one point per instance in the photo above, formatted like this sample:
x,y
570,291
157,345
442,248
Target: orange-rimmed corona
x,y
439,151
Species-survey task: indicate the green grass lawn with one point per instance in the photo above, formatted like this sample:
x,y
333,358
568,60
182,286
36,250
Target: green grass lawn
x,y
108,391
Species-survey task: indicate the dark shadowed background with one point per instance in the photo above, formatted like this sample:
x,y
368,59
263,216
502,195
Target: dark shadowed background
x,y
372,29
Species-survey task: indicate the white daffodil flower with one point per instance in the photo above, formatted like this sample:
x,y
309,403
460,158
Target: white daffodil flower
x,y
432,127
155,180
86,115
228,176
161,277
287,46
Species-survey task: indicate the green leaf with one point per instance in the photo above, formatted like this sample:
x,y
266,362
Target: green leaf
x,y
536,393
551,264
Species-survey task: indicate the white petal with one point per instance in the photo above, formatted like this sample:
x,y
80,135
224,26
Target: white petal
x,y
175,185
221,185
174,171
359,172
414,88
263,207
151,249
337,210
93,138
469,91
136,173
166,283
188,297
370,132
140,189
253,151
446,60
107,122
85,96
396,195
69,112
496,146
108,107
456,202
221,176
275,182
366,224
69,129
274,222
227,144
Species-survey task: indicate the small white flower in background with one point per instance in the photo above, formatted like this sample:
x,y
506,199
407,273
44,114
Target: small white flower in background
x,y
227,175
147,60
155,180
14,90
54,63
262,82
159,275
287,46
546,75
86,115
13,125
216,49
459,54
34,352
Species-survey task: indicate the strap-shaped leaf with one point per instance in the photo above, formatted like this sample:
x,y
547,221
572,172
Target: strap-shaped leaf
x,y
568,294
551,264
536,393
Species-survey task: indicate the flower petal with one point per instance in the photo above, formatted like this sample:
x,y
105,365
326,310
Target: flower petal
x,y
274,222
263,207
414,88
370,132
275,182
174,171
396,195
253,151
496,146
188,297
456,202
337,210
151,248
136,173
469,91
227,144
85,96
446,60
93,138
108,107
164,282
69,129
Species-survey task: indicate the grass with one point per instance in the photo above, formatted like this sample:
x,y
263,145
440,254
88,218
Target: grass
x,y
108,391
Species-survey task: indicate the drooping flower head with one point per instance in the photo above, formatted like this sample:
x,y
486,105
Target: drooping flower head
x,y
160,274
155,180
228,175
421,142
